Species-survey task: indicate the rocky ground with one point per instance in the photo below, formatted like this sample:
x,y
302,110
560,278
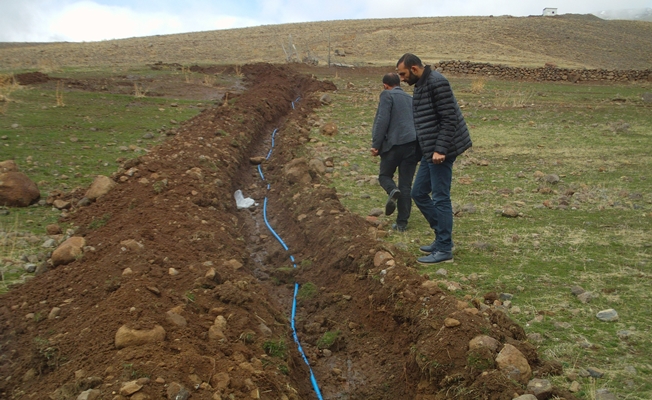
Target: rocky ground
x,y
173,292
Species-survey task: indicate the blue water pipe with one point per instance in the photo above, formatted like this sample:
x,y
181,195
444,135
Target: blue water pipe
x,y
313,380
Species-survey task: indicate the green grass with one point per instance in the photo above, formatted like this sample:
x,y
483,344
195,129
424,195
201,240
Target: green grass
x,y
591,229
276,349
65,147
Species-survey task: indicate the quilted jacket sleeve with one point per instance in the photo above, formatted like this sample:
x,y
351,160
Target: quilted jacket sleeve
x,y
438,119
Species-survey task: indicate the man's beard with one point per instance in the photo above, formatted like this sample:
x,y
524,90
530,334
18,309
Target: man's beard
x,y
412,79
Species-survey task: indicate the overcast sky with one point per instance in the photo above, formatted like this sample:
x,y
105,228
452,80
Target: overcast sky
x,y
93,20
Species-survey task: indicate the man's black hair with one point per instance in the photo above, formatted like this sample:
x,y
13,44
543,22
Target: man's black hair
x,y
409,60
391,79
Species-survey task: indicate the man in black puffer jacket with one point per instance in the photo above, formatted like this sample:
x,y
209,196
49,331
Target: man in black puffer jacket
x,y
442,135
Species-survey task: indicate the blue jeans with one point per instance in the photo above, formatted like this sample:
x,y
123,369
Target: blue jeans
x,y
436,179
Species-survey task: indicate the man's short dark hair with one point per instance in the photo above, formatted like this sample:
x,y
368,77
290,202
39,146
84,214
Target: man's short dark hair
x,y
409,60
391,79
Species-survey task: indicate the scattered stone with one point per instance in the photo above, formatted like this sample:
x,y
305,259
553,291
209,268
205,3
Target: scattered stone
x,y
176,319
130,388
173,272
585,297
234,264
297,171
609,315
630,370
563,325
441,272
376,212
90,394
484,341
61,204
84,202
8,165
505,296
220,381
17,190
29,375
54,313
526,397
127,337
256,160
317,165
541,388
381,258
513,363
604,394
154,290
575,387
625,334
552,178
451,323
595,372
30,268
100,186
325,99
329,129
132,245
577,290
509,212
53,229
215,333
68,251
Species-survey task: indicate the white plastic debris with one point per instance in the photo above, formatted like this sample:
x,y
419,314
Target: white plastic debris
x,y
241,201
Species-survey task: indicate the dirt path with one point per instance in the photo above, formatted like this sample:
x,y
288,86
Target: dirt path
x,y
220,284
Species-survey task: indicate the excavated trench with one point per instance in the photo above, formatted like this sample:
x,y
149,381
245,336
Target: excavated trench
x,y
174,253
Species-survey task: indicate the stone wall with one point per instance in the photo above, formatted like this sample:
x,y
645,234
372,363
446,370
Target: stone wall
x,y
549,72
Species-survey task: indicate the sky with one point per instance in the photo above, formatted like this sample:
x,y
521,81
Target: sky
x,y
96,20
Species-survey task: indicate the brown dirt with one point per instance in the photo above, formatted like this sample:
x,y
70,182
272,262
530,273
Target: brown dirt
x,y
392,343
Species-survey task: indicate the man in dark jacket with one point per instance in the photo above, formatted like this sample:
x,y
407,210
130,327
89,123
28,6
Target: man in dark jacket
x,y
394,139
442,135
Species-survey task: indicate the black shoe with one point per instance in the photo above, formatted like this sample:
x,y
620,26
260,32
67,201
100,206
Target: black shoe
x,y
429,248
437,257
399,228
390,206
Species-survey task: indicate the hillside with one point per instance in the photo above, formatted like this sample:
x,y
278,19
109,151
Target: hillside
x,y
572,41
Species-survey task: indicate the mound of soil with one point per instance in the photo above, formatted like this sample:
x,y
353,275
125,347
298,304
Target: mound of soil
x,y
30,78
180,295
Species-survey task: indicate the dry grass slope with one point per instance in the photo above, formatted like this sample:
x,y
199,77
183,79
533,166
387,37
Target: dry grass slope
x,y
573,41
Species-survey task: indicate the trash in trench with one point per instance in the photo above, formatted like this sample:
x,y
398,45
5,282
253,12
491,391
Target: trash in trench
x,y
241,201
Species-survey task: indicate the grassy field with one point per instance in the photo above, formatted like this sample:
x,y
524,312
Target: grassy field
x,y
63,138
573,161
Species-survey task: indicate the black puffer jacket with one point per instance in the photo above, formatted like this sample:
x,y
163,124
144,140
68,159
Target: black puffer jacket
x,y
437,117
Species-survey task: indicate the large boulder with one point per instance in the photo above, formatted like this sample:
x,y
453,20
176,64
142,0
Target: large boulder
x,y
17,190
100,186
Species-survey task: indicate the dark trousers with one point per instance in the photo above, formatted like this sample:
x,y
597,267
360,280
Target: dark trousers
x,y
404,158
432,195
